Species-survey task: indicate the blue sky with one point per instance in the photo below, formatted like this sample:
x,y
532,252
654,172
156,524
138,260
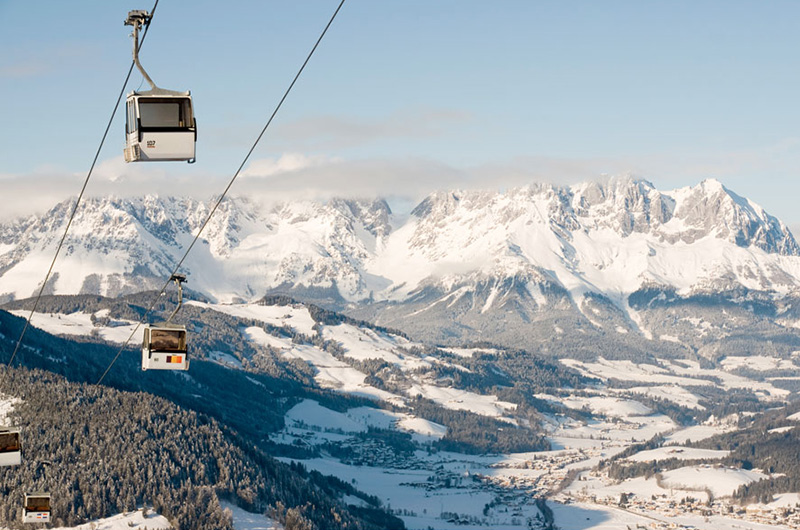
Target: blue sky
x,y
405,97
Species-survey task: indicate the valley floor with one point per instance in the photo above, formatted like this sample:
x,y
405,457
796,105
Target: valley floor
x,y
445,490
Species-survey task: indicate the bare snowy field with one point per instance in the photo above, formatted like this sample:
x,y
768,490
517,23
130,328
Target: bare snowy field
x,y
80,324
125,521
681,453
242,520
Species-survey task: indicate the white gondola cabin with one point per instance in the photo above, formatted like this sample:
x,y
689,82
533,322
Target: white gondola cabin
x,y
160,124
10,450
164,348
36,508
164,345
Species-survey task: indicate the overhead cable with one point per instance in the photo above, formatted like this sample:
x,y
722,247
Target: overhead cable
x,y
224,193
77,203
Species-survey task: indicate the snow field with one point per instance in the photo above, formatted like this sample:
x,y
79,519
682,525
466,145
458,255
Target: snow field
x,y
638,423
338,375
681,453
368,344
757,362
469,352
243,520
785,499
684,374
781,429
24,279
225,359
311,414
629,371
457,399
608,406
720,481
297,318
259,336
126,521
422,430
364,343
673,393
633,429
80,324
691,481
694,433
582,516
729,381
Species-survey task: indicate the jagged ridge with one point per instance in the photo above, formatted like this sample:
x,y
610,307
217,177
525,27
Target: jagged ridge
x,y
610,238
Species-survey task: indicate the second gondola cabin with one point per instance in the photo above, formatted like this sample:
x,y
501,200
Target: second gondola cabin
x,y
36,508
164,348
160,126
10,450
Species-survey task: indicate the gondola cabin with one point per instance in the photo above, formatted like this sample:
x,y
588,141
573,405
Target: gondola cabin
x,y
164,348
36,508
160,126
10,450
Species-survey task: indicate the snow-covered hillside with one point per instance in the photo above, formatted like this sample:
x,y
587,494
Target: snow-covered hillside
x,y
138,520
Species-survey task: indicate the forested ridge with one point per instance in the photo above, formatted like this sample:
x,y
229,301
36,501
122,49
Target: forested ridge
x,y
230,395
114,450
769,443
235,409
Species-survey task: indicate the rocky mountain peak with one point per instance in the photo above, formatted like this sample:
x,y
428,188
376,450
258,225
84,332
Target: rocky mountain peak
x,y
711,209
615,235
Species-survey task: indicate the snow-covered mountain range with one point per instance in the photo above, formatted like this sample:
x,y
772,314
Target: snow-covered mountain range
x,y
461,256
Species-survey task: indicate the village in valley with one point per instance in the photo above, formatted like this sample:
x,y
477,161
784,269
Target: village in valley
x,y
429,489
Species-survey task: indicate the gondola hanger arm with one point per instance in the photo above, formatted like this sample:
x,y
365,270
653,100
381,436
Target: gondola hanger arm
x,y
178,279
138,18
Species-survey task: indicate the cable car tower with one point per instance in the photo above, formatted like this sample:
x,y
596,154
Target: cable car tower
x,y
164,345
160,123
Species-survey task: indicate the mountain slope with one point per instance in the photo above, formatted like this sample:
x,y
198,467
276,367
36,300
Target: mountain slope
x,y
182,458
610,238
469,264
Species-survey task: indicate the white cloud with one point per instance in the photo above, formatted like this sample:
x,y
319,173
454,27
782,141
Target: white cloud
x,y
116,170
325,178
295,175
288,162
47,186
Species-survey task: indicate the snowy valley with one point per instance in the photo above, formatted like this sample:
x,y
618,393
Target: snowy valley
x,y
391,445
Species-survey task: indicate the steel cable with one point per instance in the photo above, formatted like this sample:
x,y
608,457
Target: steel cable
x,y
77,203
224,193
